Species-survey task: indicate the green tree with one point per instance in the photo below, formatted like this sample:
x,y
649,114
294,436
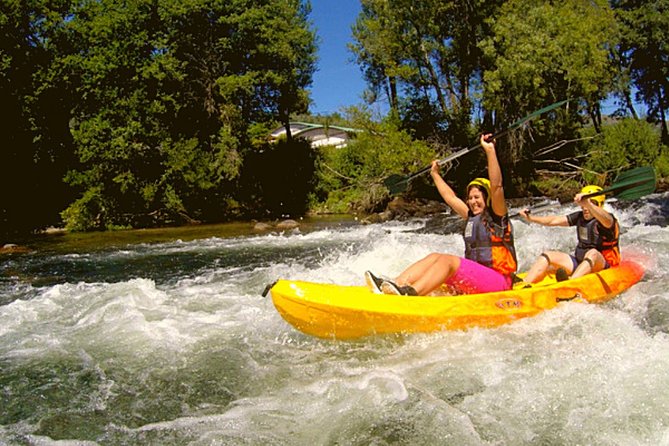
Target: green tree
x,y
428,50
124,77
171,96
36,144
542,52
351,178
250,67
643,54
279,180
622,145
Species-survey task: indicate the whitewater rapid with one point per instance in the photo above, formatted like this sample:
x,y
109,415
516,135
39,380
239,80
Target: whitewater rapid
x,y
172,343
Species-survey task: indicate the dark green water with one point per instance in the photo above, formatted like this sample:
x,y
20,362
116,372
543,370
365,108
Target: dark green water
x,y
162,338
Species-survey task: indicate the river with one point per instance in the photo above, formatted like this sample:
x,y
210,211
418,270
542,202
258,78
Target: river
x,y
169,342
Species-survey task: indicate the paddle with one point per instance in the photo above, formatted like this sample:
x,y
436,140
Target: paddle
x,y
628,185
539,207
398,183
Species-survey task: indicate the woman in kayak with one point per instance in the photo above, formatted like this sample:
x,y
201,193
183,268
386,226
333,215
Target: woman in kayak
x,y
490,256
597,231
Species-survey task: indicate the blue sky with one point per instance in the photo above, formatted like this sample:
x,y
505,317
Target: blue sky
x,y
338,81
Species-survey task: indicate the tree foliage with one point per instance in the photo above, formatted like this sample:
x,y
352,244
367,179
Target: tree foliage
x,y
36,148
542,52
545,51
643,55
429,51
150,106
353,175
621,146
158,111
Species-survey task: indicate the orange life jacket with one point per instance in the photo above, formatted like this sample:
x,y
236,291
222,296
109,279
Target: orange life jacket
x,y
592,234
490,243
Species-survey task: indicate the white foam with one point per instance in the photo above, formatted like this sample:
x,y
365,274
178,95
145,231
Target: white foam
x,y
208,344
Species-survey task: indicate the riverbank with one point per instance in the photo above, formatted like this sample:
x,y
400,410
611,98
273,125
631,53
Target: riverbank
x,y
62,241
74,242
436,212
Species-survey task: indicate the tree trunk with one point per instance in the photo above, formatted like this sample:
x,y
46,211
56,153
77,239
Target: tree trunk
x,y
392,84
596,116
434,80
286,125
663,118
630,104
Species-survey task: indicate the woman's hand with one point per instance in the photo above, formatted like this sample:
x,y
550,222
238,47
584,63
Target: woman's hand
x,y
488,145
434,170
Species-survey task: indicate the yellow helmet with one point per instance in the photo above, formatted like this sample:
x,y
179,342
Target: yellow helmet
x,y
482,182
591,188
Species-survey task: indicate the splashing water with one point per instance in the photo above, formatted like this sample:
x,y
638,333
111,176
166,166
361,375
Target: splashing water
x,y
172,343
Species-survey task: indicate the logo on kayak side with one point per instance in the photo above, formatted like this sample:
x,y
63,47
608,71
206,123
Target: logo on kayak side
x,y
509,303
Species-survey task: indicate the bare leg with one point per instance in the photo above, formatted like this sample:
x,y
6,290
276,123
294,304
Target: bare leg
x,y
416,270
593,261
430,273
541,266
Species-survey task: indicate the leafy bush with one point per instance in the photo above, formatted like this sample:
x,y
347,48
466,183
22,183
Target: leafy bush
x,y
352,177
279,179
623,145
84,214
662,163
555,186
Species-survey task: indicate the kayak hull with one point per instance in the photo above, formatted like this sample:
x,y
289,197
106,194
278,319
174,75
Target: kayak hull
x,y
349,312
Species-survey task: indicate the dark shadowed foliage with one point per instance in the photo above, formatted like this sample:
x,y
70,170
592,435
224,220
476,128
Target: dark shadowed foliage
x,y
281,177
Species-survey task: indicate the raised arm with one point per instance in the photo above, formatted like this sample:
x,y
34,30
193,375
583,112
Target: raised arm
x,y
495,177
447,193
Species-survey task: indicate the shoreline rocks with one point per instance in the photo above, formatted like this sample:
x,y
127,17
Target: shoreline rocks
x,y
12,248
284,225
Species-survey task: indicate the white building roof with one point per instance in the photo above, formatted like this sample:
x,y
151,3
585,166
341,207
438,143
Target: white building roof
x,y
318,135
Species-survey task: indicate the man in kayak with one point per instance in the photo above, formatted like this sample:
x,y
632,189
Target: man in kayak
x,y
490,255
597,249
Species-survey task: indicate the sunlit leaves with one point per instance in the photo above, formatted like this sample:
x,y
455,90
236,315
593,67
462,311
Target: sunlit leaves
x,y
644,53
169,90
545,51
623,145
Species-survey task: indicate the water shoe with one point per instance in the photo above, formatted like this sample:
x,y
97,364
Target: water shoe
x,y
373,282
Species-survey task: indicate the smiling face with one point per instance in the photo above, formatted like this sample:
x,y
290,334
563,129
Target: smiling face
x,y
476,199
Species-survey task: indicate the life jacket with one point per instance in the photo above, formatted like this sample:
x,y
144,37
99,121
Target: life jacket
x,y
591,234
490,243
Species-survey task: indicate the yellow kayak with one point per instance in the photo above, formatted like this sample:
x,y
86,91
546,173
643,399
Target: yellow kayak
x,y
349,312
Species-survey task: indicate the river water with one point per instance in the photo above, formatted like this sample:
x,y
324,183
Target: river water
x,y
171,343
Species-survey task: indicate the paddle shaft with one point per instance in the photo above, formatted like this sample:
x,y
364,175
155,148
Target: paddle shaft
x,y
455,155
629,185
393,182
461,152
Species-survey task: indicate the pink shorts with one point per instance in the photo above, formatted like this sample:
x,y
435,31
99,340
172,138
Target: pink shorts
x,y
474,278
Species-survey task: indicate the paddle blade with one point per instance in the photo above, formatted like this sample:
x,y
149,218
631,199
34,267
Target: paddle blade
x,y
396,183
533,115
634,183
630,185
